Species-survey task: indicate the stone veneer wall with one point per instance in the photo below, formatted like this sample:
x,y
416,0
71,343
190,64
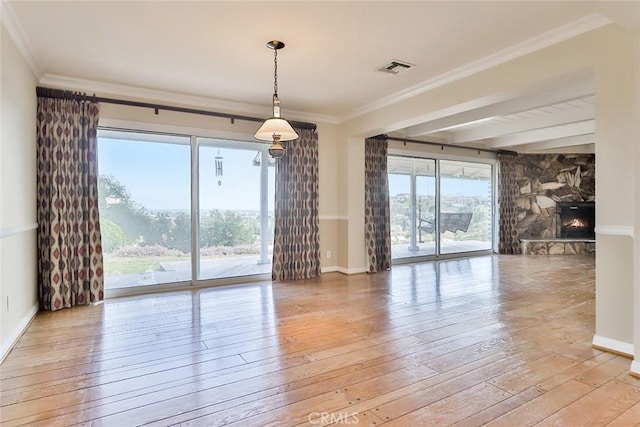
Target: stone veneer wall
x,y
545,179
557,247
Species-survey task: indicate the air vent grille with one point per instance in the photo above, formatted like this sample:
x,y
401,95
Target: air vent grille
x,y
395,67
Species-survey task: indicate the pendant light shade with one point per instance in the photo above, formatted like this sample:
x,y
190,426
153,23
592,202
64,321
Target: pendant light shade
x,y
276,126
276,129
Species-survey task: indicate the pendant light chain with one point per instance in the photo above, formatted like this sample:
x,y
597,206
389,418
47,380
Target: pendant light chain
x,y
275,72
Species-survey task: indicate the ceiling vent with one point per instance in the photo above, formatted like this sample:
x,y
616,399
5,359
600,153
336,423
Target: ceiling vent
x,y
395,67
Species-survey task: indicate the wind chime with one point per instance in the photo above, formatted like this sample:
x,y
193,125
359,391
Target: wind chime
x,y
218,161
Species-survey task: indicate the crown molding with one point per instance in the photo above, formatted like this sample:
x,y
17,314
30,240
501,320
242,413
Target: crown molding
x,y
12,24
557,35
172,98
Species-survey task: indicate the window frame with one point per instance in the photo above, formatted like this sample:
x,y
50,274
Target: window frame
x,y
151,133
437,157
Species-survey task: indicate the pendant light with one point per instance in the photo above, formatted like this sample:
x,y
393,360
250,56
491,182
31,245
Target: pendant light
x,y
276,129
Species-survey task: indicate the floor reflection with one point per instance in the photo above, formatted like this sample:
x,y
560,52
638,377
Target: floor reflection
x,y
436,281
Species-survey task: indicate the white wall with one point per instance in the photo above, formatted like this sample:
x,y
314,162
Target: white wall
x,y
635,366
328,188
18,282
616,123
354,188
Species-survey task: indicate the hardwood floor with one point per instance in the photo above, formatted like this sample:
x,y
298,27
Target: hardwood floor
x,y
496,340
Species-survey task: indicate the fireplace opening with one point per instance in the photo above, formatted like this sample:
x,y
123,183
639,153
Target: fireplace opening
x,y
576,220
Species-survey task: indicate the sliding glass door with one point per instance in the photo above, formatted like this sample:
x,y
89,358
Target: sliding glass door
x,y
236,184
145,208
439,207
465,207
425,196
181,209
412,206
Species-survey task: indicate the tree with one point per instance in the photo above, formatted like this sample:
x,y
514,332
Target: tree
x,y
179,236
112,235
139,226
116,205
125,221
225,229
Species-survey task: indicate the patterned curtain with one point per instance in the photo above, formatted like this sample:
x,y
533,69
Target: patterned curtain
x,y
296,240
508,192
70,269
376,205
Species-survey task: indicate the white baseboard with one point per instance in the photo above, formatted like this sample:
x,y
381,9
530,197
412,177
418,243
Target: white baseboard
x,y
635,368
351,270
343,270
17,332
614,346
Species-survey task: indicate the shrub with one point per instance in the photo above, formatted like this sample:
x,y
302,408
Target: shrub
x,y
217,251
145,251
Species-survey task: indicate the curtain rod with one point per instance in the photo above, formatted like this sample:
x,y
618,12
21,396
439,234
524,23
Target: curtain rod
x,y
439,144
44,92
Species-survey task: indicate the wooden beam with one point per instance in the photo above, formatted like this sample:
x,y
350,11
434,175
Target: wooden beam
x,y
570,143
492,130
555,132
576,90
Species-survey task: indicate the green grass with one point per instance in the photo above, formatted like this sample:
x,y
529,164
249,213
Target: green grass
x,y
133,265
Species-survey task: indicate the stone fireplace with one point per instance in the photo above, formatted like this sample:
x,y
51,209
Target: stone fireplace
x,y
556,205
575,220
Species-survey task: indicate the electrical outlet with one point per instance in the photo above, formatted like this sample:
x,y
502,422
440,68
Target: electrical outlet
x,y
328,254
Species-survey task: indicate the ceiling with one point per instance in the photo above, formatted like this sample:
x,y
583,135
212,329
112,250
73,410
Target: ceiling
x,y
328,70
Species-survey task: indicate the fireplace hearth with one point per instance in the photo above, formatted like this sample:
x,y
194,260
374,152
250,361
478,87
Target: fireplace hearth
x,y
576,220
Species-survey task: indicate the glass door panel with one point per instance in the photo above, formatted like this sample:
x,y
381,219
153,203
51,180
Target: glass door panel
x,y
400,215
145,208
465,207
412,201
235,209
425,206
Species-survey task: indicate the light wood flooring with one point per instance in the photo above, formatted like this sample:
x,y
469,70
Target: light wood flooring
x,y
497,340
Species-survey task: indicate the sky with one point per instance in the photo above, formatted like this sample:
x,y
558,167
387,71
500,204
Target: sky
x,y
157,176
